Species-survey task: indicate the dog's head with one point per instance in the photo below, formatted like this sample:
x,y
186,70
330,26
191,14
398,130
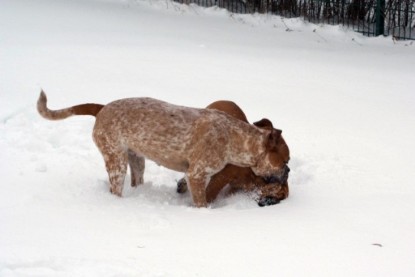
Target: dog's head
x,y
270,193
265,193
272,166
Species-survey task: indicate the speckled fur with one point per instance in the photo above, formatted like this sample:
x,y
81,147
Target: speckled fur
x,y
243,178
199,142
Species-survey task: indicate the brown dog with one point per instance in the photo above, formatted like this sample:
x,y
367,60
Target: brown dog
x,y
243,178
199,142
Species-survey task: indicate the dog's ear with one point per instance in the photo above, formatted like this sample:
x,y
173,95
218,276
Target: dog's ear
x,y
273,138
264,124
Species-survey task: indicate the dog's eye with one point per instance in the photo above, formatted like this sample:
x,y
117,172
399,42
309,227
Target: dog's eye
x,y
270,179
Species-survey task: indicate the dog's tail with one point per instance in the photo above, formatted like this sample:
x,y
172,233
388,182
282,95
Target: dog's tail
x,y
84,109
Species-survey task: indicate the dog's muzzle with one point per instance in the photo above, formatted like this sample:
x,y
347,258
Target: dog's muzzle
x,y
278,179
268,201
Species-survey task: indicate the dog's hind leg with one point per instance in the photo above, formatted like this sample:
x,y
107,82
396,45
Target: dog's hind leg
x,y
115,157
116,164
137,165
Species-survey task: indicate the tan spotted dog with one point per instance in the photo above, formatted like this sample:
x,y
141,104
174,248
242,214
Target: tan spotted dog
x,y
199,142
270,190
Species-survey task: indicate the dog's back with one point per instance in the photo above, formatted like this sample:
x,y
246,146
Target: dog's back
x,y
160,131
139,115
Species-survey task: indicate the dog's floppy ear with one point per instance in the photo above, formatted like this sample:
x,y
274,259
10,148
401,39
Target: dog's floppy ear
x,y
273,138
264,124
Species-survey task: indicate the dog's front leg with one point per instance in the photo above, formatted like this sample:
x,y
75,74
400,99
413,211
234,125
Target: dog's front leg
x,y
196,182
197,189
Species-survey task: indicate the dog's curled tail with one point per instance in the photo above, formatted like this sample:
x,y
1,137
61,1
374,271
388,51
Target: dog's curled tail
x,y
84,109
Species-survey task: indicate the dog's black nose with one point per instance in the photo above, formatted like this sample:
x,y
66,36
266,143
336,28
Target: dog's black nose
x,y
284,177
268,201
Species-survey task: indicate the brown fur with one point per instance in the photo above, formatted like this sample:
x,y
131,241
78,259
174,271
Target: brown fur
x,y
199,142
243,178
84,109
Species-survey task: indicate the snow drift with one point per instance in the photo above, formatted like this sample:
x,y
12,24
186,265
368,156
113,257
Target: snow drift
x,y
345,104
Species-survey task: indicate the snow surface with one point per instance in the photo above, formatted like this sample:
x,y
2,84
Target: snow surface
x,y
345,103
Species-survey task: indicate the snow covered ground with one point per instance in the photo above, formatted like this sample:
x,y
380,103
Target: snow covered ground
x,y
345,103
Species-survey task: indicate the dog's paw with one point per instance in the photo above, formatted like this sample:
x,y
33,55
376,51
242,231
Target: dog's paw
x,y
181,186
136,181
116,191
268,201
